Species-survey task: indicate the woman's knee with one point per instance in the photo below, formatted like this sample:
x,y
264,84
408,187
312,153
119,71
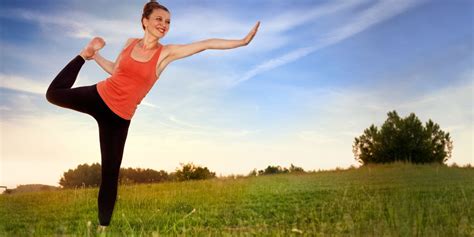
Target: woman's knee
x,y
110,175
51,97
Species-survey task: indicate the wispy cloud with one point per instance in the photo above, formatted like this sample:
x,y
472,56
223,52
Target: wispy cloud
x,y
72,28
75,24
290,18
379,12
146,103
271,35
20,83
36,85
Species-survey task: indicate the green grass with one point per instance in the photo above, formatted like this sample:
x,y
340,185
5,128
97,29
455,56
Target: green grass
x,y
382,200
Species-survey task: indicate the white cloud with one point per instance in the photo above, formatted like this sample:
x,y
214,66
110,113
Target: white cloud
x,y
71,27
25,84
288,19
79,25
22,84
146,103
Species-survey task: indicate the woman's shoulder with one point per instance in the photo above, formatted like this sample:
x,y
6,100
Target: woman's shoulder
x,y
129,41
169,48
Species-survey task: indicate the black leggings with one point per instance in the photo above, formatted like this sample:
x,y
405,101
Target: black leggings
x,y
112,129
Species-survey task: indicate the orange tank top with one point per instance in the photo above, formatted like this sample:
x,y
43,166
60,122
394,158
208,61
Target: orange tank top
x,y
123,91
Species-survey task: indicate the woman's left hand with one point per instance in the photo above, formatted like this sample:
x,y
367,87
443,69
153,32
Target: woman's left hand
x,y
251,34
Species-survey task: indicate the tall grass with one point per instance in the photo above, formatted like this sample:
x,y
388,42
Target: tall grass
x,y
378,200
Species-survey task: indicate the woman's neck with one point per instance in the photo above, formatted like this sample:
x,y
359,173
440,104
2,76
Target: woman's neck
x,y
147,43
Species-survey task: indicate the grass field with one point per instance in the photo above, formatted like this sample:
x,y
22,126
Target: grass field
x,y
382,200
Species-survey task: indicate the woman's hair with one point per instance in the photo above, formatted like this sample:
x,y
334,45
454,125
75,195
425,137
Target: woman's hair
x,y
148,9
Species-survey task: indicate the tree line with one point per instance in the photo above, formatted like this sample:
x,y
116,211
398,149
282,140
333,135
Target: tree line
x,y
86,175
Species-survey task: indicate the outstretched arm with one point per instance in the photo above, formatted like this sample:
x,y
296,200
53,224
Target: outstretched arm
x,y
181,51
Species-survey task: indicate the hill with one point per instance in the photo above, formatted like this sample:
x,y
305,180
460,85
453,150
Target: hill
x,y
31,188
379,200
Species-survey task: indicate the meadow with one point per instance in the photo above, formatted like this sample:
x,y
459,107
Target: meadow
x,y
377,200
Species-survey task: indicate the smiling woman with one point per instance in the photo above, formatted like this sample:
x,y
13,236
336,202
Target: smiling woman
x,y
113,101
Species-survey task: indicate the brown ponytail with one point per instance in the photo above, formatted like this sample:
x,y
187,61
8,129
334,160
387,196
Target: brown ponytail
x,y
148,9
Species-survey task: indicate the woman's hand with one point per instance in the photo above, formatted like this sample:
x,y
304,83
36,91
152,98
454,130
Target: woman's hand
x,y
251,34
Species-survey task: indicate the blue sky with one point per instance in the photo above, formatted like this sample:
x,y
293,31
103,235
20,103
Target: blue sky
x,y
315,76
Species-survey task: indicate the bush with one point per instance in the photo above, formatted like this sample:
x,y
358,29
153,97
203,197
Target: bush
x,y
403,139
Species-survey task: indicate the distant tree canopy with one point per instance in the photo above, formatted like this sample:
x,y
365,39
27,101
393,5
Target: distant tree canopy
x,y
139,175
403,139
277,170
83,176
192,172
90,175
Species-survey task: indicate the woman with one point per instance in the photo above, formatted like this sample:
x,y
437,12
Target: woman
x,y
113,101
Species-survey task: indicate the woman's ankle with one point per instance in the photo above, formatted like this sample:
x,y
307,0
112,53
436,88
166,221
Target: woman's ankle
x,y
90,50
83,56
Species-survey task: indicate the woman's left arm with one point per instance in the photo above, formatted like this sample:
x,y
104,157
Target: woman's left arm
x,y
186,50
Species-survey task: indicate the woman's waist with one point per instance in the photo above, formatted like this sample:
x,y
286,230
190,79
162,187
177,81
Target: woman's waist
x,y
120,91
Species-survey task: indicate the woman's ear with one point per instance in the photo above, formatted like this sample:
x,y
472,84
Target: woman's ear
x,y
145,22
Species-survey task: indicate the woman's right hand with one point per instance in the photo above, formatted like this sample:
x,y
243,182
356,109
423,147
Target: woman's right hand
x,y
251,34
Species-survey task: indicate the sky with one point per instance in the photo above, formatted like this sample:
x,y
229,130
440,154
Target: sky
x,y
314,77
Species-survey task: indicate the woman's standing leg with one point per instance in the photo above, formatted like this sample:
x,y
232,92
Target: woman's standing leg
x,y
113,132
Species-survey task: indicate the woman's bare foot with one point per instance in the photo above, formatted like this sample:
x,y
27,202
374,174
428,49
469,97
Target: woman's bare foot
x,y
101,229
94,45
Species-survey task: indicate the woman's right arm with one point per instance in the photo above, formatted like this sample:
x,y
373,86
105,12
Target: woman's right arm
x,y
107,65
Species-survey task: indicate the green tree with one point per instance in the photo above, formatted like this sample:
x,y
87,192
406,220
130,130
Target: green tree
x,y
403,139
138,175
83,176
192,172
295,169
273,170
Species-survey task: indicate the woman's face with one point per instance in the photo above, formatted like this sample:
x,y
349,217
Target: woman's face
x,y
158,23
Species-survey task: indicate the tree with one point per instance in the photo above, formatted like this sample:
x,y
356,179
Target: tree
x,y
83,176
273,170
295,169
138,175
403,139
191,172
254,172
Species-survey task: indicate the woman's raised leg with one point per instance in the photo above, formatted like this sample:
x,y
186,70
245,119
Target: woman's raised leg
x,y
60,91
